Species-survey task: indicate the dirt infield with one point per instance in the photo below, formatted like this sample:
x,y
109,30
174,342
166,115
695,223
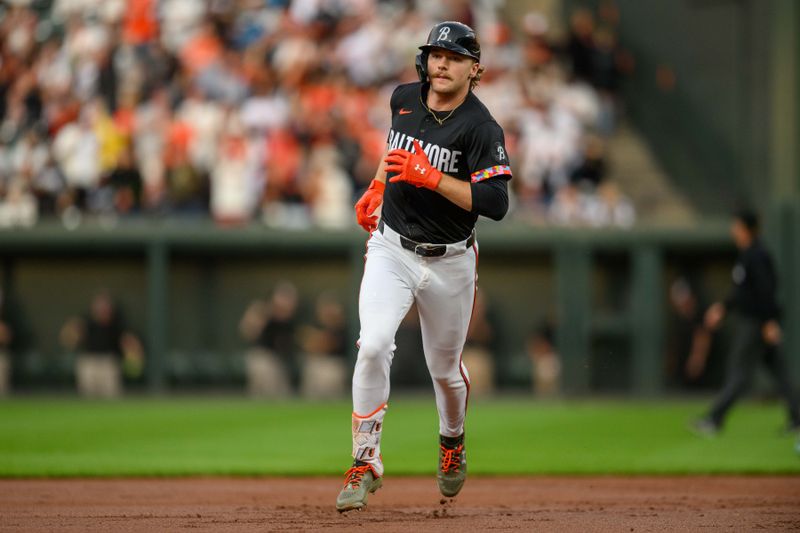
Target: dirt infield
x,y
404,504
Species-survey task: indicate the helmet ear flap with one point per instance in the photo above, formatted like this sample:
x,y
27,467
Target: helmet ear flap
x,y
421,63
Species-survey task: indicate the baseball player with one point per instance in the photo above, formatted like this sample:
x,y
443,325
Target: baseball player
x,y
445,164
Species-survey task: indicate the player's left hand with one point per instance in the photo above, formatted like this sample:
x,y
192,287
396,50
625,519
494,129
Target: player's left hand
x,y
367,204
413,168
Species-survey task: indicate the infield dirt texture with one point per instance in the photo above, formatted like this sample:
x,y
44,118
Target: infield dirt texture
x,y
725,503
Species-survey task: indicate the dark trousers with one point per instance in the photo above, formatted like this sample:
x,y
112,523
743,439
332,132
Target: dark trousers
x,y
747,349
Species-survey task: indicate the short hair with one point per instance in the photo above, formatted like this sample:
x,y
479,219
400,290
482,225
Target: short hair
x,y
748,218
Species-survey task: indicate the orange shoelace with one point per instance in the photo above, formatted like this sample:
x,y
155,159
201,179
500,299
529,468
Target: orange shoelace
x,y
354,475
451,459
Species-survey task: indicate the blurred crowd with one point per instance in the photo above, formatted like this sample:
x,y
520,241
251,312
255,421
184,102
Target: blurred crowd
x,y
277,110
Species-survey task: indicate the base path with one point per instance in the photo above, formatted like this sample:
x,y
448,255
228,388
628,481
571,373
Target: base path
x,y
620,504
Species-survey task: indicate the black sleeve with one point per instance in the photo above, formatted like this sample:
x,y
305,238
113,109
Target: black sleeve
x,y
489,170
394,101
490,198
487,156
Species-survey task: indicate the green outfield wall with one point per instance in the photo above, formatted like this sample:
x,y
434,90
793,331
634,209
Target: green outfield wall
x,y
184,287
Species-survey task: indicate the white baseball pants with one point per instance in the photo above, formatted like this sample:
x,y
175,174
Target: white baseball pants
x,y
444,290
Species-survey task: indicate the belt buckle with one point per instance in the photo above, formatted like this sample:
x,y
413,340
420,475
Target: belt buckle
x,y
421,249
426,250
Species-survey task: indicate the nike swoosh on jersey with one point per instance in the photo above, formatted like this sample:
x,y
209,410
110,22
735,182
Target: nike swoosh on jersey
x,y
405,111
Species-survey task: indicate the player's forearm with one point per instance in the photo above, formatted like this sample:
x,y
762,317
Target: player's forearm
x,y
380,174
489,198
457,191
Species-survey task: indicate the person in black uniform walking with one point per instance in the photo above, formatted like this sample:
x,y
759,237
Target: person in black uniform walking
x,y
757,336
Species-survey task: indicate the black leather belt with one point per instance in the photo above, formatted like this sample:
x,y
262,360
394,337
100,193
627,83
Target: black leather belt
x,y
427,250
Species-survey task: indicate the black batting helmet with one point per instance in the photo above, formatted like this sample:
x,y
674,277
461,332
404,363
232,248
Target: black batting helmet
x,y
450,35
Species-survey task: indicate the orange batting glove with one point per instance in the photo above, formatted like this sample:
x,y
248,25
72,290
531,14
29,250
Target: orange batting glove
x,y
368,203
413,168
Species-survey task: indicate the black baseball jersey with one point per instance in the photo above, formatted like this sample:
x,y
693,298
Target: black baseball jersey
x,y
468,145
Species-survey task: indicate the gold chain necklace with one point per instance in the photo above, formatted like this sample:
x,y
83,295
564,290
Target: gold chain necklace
x,y
433,114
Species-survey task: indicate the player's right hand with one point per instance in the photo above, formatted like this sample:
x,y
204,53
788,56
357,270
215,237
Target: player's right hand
x,y
368,203
413,167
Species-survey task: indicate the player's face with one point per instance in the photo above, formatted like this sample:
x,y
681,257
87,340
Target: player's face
x,y
742,236
449,72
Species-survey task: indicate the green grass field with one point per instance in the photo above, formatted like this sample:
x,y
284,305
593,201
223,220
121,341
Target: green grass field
x,y
213,436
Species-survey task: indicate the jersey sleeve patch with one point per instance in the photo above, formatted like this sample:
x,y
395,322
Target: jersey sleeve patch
x,y
486,173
